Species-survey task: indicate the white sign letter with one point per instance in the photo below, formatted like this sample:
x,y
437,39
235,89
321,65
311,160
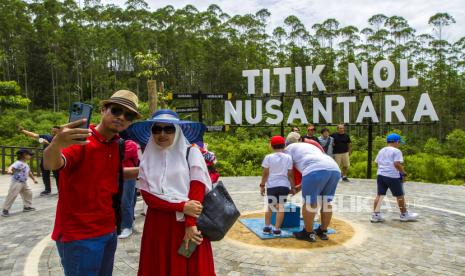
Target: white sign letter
x,y
282,72
266,81
229,111
346,105
367,110
404,80
355,74
250,74
269,109
425,108
297,112
248,112
397,109
298,79
318,108
391,73
314,77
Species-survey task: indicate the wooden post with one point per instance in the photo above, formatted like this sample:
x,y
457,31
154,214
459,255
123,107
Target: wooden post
x,y
152,91
3,160
162,93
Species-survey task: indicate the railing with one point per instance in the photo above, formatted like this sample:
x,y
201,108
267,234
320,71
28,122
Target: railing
x,y
8,153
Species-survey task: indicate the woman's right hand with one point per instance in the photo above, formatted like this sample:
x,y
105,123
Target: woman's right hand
x,y
193,208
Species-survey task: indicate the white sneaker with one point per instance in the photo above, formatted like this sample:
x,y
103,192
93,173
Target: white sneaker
x,y
125,233
376,217
408,216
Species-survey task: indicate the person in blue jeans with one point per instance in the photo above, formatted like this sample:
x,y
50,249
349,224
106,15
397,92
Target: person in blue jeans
x,y
96,255
89,161
320,176
128,199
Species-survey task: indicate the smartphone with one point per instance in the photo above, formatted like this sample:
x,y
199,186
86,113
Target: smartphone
x,y
190,249
80,111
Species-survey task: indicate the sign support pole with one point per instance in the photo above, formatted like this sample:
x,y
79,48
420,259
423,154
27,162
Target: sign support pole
x,y
282,110
200,106
370,143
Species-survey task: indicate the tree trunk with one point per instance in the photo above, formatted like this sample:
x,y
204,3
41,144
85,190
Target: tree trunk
x,y
152,95
25,84
91,86
53,91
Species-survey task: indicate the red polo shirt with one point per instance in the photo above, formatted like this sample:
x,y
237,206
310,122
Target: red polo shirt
x,y
88,181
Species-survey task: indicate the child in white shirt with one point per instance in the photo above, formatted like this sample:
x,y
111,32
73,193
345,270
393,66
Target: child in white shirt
x,y
278,179
391,175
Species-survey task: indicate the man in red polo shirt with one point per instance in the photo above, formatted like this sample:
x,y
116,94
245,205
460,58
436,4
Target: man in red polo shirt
x,y
85,220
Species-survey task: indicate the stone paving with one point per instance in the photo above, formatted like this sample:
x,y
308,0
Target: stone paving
x,y
433,245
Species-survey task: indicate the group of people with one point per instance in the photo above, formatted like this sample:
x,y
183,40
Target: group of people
x,y
304,164
299,165
175,172
97,179
336,145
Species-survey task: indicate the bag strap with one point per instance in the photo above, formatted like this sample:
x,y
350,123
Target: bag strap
x,y
188,151
117,197
326,147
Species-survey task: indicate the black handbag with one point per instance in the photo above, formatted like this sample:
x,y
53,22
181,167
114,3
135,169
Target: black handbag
x,y
218,214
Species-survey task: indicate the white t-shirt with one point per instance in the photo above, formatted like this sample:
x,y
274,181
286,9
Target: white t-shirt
x,y
308,158
385,160
279,163
20,171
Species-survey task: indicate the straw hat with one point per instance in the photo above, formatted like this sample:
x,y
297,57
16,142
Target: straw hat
x,y
125,98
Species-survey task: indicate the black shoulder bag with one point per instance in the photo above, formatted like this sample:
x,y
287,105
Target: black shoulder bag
x,y
219,212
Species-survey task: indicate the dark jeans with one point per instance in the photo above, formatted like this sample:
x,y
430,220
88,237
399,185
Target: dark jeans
x,y
46,177
88,257
127,203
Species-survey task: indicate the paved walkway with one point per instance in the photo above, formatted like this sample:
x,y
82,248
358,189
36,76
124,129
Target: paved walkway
x,y
433,245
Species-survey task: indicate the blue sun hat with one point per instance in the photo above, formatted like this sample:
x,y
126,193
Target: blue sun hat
x,y
141,131
393,138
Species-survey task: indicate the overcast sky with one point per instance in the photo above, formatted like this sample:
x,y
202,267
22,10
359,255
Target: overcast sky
x,y
347,12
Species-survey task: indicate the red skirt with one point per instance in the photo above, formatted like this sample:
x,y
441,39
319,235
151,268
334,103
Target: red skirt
x,y
161,239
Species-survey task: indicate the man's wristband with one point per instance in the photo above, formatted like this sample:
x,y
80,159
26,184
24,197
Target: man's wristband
x,y
262,185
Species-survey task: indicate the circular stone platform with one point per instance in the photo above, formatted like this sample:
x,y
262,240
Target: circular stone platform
x,y
435,245
241,234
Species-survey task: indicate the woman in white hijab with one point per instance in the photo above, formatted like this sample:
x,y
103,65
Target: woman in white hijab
x,y
173,188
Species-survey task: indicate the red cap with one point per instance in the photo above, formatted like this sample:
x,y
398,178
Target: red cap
x,y
277,140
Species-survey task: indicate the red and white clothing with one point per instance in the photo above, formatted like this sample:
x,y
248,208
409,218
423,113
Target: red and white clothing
x,y
167,181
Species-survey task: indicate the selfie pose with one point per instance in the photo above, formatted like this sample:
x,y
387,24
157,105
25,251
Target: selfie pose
x,y
89,163
173,180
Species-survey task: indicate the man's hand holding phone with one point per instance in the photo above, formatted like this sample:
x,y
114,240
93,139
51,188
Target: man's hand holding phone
x,y
69,134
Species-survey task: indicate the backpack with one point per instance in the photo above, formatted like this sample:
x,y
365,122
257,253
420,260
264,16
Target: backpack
x,y
119,194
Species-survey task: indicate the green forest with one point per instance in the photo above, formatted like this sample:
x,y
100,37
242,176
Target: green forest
x,y
54,52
